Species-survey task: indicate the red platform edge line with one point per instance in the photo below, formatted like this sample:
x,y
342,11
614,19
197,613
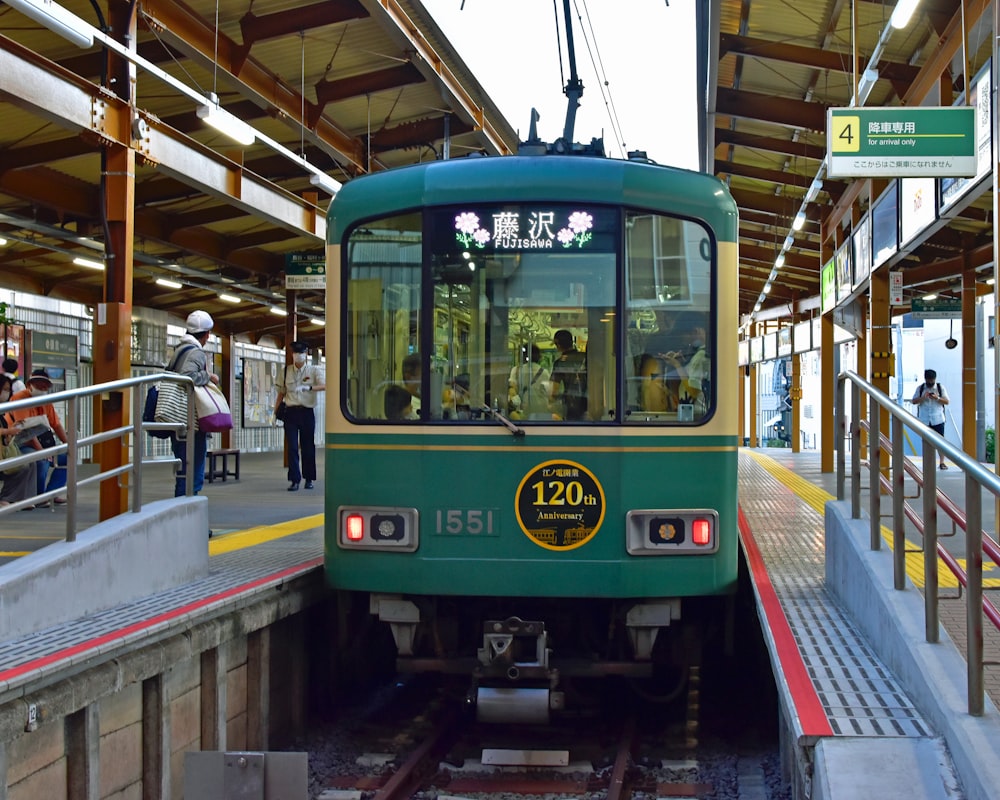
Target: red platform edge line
x,y
804,698
167,616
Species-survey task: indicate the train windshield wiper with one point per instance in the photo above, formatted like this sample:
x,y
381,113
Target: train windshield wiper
x,y
495,414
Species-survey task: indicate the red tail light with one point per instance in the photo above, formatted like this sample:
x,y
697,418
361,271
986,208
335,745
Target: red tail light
x,y
701,531
354,527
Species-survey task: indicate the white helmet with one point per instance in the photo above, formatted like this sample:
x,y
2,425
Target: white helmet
x,y
199,322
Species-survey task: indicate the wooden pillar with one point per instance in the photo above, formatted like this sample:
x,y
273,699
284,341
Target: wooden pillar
x,y
882,364
970,431
742,394
827,390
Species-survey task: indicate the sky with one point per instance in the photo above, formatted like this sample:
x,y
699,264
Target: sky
x,y
644,49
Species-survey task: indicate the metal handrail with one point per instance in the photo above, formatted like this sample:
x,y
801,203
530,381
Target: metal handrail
x,y
977,478
134,429
957,516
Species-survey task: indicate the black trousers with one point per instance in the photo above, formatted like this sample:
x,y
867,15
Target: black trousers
x,y
300,433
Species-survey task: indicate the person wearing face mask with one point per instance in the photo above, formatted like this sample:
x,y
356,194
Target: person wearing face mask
x,y
297,386
191,359
50,427
691,365
21,484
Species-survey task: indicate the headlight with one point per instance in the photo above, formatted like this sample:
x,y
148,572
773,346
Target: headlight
x,y
362,528
659,532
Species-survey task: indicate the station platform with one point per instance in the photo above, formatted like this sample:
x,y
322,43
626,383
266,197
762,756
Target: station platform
x,y
874,731
853,726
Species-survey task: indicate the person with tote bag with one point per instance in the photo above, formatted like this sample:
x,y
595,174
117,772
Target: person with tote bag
x,y
193,362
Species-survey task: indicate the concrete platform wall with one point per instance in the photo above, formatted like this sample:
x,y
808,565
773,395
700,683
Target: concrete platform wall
x,y
115,562
934,675
120,728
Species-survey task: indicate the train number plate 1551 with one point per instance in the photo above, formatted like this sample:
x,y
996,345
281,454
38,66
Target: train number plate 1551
x,y
467,521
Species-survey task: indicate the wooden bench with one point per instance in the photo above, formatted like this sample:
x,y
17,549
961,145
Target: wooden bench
x,y
217,458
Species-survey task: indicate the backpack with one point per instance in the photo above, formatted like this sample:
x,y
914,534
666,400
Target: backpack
x,y
152,394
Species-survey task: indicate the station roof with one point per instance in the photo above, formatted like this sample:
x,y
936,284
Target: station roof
x,y
343,87
339,87
778,67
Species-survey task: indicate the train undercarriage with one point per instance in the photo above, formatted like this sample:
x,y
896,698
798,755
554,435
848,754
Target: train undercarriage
x,y
525,658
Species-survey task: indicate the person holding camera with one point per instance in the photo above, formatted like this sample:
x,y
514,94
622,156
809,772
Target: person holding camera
x,y
930,400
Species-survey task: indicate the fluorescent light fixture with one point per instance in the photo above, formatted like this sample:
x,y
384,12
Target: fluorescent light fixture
x,y
169,284
789,241
229,298
279,311
931,296
799,221
813,191
224,122
3,242
86,262
989,281
868,79
315,321
325,182
57,19
767,288
902,12
779,262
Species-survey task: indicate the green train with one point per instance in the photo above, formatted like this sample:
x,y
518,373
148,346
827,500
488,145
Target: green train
x,y
531,430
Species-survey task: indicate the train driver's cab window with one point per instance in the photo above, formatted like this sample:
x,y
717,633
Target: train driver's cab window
x,y
456,313
381,326
459,312
669,348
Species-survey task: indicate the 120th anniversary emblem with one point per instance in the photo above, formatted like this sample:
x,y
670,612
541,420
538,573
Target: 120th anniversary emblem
x,y
560,505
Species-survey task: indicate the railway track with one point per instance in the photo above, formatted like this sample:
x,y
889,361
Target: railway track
x,y
403,748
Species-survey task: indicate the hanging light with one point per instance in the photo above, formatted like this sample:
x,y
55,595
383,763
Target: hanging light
x,y
224,122
57,19
902,12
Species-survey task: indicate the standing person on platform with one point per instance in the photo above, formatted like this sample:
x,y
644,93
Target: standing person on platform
x,y
44,420
10,370
297,386
18,485
192,360
930,399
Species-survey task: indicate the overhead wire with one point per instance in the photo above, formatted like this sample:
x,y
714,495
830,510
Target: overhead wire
x,y
603,84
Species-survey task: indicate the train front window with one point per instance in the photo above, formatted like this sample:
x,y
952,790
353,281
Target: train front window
x,y
524,311
381,326
669,349
516,307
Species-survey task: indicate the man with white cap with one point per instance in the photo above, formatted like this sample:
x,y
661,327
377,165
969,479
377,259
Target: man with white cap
x,y
192,360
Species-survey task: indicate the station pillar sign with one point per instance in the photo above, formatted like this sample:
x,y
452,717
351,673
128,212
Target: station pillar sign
x,y
305,271
900,141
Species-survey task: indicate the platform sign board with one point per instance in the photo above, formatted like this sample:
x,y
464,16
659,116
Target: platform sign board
x,y
891,142
940,308
896,288
305,271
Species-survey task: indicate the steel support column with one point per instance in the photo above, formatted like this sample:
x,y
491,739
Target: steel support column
x,y
113,340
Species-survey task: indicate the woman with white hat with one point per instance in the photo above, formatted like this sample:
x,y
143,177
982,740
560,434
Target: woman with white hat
x,y
192,360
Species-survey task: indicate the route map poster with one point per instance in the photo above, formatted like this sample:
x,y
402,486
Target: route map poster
x,y
259,391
